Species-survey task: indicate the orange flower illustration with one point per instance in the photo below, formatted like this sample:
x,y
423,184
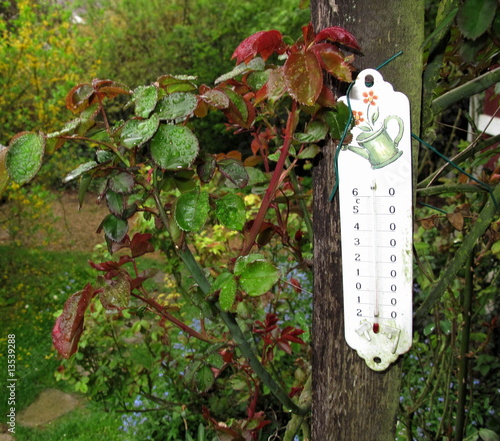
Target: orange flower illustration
x,y
370,98
358,117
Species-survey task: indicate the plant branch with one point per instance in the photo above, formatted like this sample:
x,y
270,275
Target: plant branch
x,y
485,218
463,366
273,185
199,276
466,90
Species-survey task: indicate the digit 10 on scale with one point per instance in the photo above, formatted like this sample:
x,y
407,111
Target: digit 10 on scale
x,y
375,196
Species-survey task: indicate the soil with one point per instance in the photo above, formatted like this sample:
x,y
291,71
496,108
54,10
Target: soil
x,y
75,229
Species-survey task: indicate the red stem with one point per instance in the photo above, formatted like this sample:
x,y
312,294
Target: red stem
x,y
156,306
273,185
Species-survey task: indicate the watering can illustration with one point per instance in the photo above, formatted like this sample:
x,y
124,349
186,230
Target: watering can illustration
x,y
377,146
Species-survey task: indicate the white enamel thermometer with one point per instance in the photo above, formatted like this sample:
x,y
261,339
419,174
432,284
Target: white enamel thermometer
x,y
375,191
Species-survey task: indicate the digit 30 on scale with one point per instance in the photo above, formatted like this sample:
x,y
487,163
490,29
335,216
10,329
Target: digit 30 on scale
x,y
375,191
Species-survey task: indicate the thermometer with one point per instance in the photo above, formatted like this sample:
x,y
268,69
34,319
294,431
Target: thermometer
x,y
375,193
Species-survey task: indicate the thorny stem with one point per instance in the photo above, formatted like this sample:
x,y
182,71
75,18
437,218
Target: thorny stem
x,y
276,179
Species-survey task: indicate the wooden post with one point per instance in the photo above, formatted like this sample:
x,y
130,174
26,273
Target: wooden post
x,y
350,401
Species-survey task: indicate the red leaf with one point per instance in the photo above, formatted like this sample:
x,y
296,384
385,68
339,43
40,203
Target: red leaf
x,y
274,87
69,325
308,34
333,60
303,77
296,285
80,97
264,43
140,244
336,34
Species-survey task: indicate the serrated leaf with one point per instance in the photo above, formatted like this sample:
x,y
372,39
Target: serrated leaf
x,y
123,182
475,17
257,64
115,202
225,285
114,227
145,98
85,181
258,277
177,106
234,170
80,170
215,360
69,325
264,43
230,210
115,293
334,61
243,261
315,131
206,168
337,34
309,152
137,132
303,77
191,210
24,156
204,378
337,119
216,98
177,83
174,147
79,97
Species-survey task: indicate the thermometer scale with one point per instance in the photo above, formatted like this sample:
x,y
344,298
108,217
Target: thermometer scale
x,y
375,191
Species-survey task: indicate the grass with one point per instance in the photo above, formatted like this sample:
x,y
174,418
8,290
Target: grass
x,y
34,284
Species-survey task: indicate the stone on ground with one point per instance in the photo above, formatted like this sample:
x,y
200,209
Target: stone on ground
x,y
50,404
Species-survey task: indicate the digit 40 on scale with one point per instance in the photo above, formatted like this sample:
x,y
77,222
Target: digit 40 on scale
x,y
375,191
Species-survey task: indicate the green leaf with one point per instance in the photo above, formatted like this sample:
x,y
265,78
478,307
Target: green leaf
x,y
85,182
114,227
206,168
123,182
257,64
204,378
488,435
145,98
337,119
215,360
309,152
256,276
4,176
115,202
230,210
303,77
80,170
225,285
174,147
24,156
191,210
177,106
243,261
115,293
177,83
315,131
475,17
137,132
235,171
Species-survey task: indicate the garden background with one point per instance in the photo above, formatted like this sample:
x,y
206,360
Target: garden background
x,y
132,387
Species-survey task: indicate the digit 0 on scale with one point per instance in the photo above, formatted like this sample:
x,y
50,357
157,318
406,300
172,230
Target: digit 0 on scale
x,y
376,222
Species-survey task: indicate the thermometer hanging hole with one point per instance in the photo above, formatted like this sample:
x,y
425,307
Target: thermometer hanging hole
x,y
369,81
377,360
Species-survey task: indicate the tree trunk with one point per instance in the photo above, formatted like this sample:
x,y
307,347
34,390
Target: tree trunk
x,y
350,401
